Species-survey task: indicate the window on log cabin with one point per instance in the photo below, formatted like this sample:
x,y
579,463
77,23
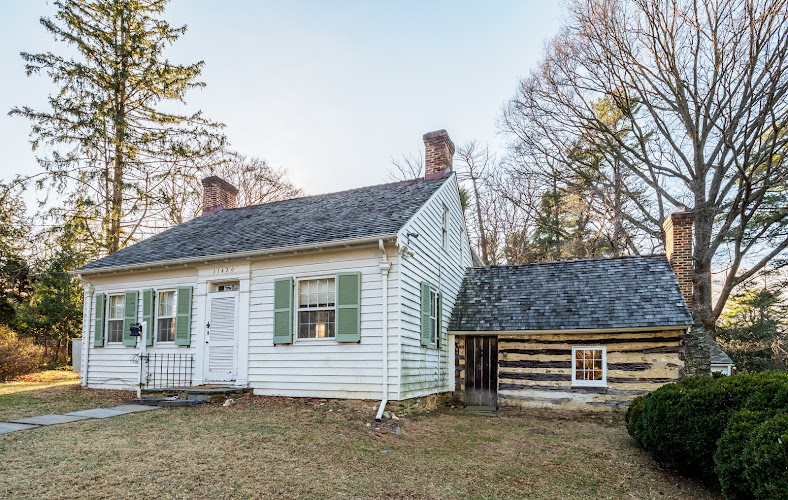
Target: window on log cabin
x,y
589,366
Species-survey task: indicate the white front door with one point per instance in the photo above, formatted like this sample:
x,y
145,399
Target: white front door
x,y
221,335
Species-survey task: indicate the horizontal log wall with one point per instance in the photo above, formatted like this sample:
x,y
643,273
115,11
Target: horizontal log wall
x,y
534,371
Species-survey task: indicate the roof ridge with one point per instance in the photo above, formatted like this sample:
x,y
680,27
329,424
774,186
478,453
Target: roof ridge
x,y
344,191
571,261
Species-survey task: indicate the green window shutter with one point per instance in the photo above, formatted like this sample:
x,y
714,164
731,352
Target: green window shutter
x,y
99,315
425,313
147,314
283,311
130,316
439,319
183,316
348,304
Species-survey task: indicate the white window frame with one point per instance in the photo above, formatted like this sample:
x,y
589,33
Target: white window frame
x,y
445,229
156,316
122,318
435,324
297,309
590,383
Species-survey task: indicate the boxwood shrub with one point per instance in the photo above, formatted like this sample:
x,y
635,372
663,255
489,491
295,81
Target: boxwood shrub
x,y
680,424
766,459
733,457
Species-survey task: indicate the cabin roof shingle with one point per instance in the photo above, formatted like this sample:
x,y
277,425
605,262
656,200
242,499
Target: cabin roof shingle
x,y
347,215
627,292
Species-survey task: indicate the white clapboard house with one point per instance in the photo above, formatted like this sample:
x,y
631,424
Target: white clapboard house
x,y
342,295
370,294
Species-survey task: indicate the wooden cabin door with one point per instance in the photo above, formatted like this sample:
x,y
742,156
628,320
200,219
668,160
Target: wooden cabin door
x,y
481,371
221,336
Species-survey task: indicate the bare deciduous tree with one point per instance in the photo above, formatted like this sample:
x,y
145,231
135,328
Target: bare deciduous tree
x,y
407,167
476,163
701,87
256,180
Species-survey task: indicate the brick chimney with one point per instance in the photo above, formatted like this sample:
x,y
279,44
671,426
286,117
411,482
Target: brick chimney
x,y
678,249
438,154
217,194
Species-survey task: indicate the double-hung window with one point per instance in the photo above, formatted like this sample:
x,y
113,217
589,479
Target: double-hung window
x,y
115,318
316,308
589,366
165,316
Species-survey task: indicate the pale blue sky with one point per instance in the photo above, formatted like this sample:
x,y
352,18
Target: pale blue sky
x,y
330,90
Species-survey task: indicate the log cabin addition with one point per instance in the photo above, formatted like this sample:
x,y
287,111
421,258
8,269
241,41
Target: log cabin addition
x,y
567,336
585,335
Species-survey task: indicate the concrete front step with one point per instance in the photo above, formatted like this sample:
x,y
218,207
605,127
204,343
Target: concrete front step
x,y
164,402
180,403
203,394
144,401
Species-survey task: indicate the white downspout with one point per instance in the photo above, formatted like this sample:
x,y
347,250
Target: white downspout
x,y
385,266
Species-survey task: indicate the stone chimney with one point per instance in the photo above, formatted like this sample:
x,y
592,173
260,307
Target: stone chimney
x,y
217,194
678,249
438,154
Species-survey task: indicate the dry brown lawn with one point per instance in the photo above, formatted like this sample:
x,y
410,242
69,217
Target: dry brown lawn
x,y
281,447
53,391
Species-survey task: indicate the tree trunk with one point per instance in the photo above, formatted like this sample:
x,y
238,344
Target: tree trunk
x,y
617,209
702,257
116,208
113,237
480,221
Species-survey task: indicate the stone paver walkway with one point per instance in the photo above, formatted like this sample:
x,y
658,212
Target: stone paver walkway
x,y
74,416
5,427
48,420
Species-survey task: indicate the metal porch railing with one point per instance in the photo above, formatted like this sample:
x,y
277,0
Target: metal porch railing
x,y
169,370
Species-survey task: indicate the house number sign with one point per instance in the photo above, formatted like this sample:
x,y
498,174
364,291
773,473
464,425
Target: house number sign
x,y
223,270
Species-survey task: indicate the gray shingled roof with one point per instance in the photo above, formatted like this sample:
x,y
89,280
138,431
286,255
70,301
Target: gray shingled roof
x,y
627,292
716,355
357,213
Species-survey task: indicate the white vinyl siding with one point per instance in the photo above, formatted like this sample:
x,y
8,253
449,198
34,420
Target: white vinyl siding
x,y
426,370
324,367
113,366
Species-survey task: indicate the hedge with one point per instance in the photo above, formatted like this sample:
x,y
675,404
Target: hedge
x,y
681,425
749,456
18,355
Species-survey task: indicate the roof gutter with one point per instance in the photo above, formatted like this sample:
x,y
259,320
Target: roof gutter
x,y
194,261
571,330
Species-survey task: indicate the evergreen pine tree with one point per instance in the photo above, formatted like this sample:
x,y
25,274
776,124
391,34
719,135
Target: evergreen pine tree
x,y
109,139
